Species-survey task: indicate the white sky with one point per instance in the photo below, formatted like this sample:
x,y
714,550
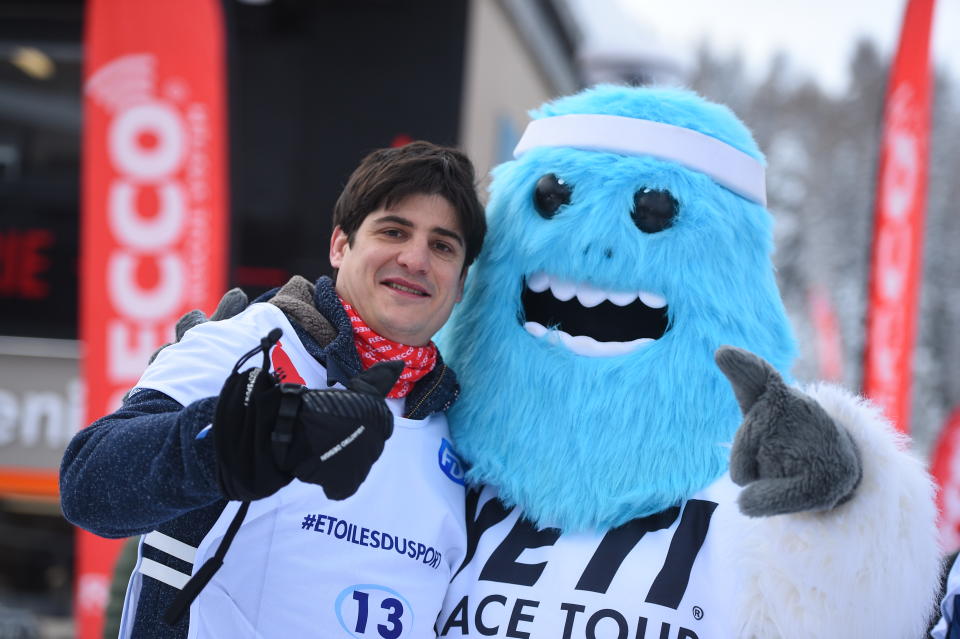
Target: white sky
x,y
819,35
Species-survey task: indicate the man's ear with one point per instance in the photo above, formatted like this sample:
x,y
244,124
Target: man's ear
x,y
338,246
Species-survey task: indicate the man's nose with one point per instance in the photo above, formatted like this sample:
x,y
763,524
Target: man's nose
x,y
415,256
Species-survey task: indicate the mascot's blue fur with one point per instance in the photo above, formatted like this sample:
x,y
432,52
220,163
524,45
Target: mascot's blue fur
x,y
590,443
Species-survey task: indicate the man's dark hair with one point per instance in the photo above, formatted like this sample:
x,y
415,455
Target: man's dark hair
x,y
387,176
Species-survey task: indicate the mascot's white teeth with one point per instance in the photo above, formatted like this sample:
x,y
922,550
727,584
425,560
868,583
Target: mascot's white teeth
x,y
589,295
584,344
588,320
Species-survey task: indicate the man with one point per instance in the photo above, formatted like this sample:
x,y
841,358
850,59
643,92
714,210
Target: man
x,y
317,543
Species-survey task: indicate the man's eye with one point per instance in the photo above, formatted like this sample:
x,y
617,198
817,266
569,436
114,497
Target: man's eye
x,y
444,247
393,232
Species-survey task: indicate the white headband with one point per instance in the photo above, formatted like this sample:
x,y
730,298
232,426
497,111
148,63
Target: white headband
x,y
726,165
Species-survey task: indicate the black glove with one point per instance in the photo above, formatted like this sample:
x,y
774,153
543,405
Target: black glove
x,y
243,422
336,435
789,454
266,433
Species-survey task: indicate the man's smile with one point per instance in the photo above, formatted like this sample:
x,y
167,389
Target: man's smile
x,y
405,287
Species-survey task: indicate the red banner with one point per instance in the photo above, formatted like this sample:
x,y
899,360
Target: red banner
x,y
154,219
898,226
945,468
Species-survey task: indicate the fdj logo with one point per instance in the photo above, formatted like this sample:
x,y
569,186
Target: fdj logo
x,y
369,610
450,464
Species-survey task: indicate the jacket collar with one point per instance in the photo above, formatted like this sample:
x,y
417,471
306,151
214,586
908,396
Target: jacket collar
x,y
436,392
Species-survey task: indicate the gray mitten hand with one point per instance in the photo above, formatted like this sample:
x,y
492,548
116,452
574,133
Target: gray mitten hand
x,y
232,302
788,454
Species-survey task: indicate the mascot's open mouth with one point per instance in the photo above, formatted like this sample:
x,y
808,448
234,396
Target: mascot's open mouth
x,y
591,321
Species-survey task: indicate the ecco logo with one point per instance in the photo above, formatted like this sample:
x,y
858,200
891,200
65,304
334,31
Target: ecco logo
x,y
139,167
156,185
450,464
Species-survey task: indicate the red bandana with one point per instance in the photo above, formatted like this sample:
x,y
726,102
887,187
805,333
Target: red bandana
x,y
418,360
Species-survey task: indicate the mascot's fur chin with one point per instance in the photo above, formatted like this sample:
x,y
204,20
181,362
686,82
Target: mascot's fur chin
x,y
585,440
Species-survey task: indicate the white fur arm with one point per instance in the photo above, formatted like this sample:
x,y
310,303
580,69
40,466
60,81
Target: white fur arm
x,y
868,568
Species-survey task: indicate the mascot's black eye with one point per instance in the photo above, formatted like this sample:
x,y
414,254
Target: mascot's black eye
x,y
653,211
551,193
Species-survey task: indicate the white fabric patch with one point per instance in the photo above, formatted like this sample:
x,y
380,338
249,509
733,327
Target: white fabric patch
x,y
727,166
162,573
171,546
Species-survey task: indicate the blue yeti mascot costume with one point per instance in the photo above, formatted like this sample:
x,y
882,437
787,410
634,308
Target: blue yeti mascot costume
x,y
640,467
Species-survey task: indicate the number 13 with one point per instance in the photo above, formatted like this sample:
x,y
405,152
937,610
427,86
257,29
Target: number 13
x,y
393,618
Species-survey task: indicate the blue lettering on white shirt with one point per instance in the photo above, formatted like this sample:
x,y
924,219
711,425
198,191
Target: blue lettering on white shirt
x,y
371,538
450,464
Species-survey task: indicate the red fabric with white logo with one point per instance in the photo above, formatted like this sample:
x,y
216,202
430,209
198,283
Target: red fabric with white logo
x,y
154,206
285,370
373,348
898,237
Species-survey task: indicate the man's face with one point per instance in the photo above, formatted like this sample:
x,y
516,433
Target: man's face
x,y
404,271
